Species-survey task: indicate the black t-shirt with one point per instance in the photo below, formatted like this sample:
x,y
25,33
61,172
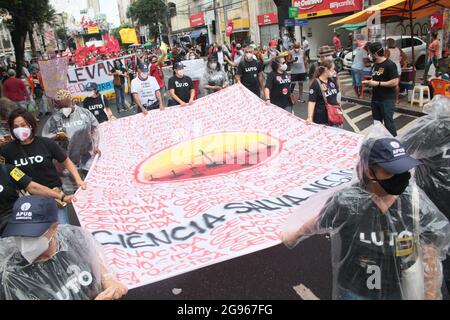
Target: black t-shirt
x,y
182,87
36,159
11,180
363,236
249,71
97,107
280,89
320,115
385,71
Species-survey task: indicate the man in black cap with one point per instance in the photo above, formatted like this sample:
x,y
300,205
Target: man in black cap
x,y
383,229
384,80
146,91
46,261
181,87
97,104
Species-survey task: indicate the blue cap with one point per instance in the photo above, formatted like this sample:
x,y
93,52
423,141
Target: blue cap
x,y
390,154
143,67
31,216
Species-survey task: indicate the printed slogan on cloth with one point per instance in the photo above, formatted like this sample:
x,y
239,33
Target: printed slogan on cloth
x,y
188,187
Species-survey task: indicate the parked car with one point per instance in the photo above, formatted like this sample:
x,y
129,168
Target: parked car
x,y
420,50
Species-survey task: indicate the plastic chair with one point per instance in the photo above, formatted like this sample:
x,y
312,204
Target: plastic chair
x,y
441,86
420,90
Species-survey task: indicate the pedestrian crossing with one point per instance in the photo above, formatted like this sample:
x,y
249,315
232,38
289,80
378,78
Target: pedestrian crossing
x,y
359,118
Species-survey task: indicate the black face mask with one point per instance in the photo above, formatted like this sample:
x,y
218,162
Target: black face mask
x,y
395,185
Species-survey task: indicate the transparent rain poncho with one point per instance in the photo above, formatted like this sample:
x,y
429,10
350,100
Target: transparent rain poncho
x,y
374,254
73,273
79,127
429,141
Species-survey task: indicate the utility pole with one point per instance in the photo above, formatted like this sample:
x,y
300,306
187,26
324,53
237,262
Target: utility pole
x,y
216,21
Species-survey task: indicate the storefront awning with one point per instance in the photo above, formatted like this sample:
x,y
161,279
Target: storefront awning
x,y
352,26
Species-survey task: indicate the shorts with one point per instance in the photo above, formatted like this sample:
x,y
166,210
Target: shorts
x,y
357,76
298,77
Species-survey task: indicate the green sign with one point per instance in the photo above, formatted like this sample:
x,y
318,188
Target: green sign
x,y
293,12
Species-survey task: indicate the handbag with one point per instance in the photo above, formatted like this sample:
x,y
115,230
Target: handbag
x,y
334,111
116,81
413,287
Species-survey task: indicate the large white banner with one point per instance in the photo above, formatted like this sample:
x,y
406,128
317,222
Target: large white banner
x,y
79,77
188,187
194,68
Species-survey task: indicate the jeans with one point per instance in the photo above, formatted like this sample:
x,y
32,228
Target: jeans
x,y
383,111
346,294
63,216
357,76
120,97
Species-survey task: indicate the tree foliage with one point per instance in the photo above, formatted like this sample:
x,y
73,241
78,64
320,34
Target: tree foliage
x,y
150,13
23,15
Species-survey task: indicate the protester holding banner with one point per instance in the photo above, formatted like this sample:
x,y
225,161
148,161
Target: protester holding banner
x,y
75,130
40,259
97,104
181,87
250,72
387,237
278,85
214,79
119,73
146,91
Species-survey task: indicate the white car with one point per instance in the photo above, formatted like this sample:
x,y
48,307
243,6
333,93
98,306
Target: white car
x,y
420,50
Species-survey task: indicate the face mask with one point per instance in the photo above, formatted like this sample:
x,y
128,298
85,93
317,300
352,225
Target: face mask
x,y
191,57
144,75
22,133
395,185
31,248
370,57
297,49
328,58
66,111
284,67
248,56
213,66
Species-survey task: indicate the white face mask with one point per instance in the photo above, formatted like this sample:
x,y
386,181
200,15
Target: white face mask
x,y
191,57
144,75
22,133
213,66
32,247
284,67
66,111
248,56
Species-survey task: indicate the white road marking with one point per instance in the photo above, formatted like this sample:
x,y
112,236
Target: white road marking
x,y
305,293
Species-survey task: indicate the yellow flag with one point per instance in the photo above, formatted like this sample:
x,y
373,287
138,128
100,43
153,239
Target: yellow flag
x,y
163,47
128,35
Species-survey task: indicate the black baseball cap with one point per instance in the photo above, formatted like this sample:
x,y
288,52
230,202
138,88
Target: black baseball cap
x,y
31,216
390,154
178,66
92,86
143,67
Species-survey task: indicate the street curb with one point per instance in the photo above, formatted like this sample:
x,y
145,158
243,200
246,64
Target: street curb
x,y
397,109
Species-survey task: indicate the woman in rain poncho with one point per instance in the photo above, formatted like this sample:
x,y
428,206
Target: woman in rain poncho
x,y
387,237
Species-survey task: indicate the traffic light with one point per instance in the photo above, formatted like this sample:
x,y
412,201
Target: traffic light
x,y
172,9
213,25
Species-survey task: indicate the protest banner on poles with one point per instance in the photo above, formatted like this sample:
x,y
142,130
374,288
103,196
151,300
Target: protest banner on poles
x,y
54,75
188,187
79,77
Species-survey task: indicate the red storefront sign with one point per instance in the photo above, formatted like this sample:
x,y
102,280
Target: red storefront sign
x,y
317,8
436,21
268,18
197,19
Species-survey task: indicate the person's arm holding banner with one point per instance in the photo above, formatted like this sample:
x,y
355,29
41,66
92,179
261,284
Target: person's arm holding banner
x,y
175,97
139,104
160,99
70,166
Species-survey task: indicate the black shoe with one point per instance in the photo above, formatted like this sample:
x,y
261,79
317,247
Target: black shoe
x,y
48,113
